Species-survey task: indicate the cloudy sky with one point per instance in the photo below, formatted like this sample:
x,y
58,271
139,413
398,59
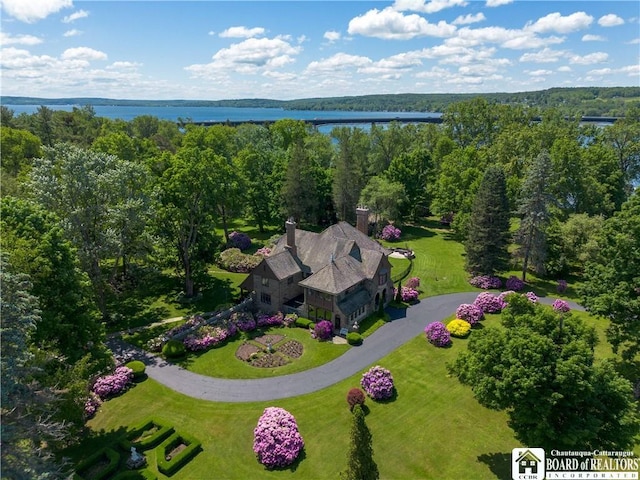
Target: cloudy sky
x,y
298,49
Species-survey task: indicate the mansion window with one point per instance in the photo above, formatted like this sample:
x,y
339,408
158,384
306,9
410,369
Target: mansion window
x,y
382,278
265,282
265,298
316,313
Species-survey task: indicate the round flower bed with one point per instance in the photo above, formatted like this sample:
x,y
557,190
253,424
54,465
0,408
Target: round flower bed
x,y
438,334
470,313
378,383
276,439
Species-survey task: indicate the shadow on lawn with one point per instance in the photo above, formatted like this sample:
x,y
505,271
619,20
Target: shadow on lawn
x,y
498,463
92,442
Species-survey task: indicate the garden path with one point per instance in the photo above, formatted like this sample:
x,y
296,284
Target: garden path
x,y
404,326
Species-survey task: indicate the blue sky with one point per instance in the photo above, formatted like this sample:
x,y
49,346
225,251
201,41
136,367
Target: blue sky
x,y
297,49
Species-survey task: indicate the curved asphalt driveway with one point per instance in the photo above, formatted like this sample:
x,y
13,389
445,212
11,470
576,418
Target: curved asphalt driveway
x,y
405,325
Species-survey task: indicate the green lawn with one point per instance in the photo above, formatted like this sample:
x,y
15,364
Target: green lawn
x,y
221,362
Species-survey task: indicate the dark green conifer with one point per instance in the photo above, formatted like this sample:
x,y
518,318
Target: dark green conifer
x,y
360,463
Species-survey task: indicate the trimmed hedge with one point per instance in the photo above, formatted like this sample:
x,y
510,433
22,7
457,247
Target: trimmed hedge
x,y
170,467
148,442
135,475
112,456
174,349
354,338
304,322
137,367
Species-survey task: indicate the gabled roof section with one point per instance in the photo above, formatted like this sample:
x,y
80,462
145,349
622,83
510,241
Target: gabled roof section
x,y
283,265
336,276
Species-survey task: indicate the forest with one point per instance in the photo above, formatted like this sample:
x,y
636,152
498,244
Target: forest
x,y
89,205
584,101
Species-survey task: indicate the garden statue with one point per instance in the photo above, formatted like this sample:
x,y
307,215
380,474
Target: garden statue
x,y
136,460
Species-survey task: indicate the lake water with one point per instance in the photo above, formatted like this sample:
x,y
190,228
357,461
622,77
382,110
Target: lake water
x,y
218,114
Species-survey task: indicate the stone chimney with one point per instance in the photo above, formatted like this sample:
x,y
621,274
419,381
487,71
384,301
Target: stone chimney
x,y
290,226
362,220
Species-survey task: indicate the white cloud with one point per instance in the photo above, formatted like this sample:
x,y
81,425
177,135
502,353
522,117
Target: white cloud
x,y
631,70
539,73
332,36
564,69
506,38
30,11
469,18
83,53
554,22
72,33
546,55
423,6
635,41
123,66
338,62
8,39
250,56
593,38
211,33
590,59
390,24
242,32
75,16
610,20
498,3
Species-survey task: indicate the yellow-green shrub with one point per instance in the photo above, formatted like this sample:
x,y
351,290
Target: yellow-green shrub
x,y
459,328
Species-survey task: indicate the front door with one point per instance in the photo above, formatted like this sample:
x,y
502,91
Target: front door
x,y
336,322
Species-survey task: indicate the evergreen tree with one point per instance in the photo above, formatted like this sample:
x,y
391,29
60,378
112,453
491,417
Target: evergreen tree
x,y
533,209
299,190
488,234
360,463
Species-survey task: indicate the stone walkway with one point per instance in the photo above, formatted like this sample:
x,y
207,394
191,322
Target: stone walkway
x,y
404,326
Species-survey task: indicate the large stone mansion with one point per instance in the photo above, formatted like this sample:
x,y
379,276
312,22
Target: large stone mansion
x,y
340,274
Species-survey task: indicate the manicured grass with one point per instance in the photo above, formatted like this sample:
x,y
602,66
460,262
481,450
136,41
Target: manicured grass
x,y
221,362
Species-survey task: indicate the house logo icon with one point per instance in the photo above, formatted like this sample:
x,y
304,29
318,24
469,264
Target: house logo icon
x,y
527,464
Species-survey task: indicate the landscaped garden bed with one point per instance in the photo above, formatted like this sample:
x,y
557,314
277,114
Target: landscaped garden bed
x,y
269,351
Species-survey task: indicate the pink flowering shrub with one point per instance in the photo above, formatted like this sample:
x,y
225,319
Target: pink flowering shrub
x,y
233,260
562,286
486,282
390,233
290,320
438,334
239,240
514,283
378,383
323,330
413,283
244,321
207,337
406,294
532,297
91,405
470,313
276,439
489,303
263,252
561,306
267,320
114,384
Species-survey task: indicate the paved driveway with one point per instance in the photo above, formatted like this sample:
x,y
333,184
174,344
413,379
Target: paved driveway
x,y
405,325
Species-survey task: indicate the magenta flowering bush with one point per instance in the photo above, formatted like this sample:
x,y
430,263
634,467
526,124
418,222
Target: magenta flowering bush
x,y
514,283
378,383
263,252
438,334
276,439
323,330
532,297
91,405
390,233
503,295
244,321
114,384
413,283
406,294
207,337
562,286
270,320
239,240
489,303
561,306
486,282
470,313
